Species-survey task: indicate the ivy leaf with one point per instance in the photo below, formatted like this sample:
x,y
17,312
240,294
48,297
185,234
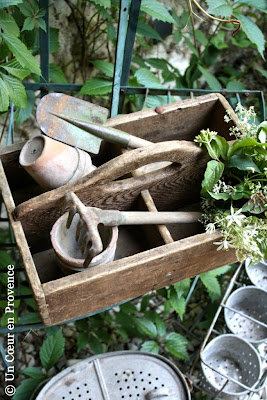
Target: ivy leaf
x,y
7,3
16,90
13,67
22,54
157,10
8,24
147,31
25,390
147,327
146,77
34,372
213,173
4,96
56,74
104,66
52,349
213,83
28,24
96,86
176,345
253,33
150,346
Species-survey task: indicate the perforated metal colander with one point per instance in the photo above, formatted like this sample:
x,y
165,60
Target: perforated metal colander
x,y
257,273
232,365
122,375
246,313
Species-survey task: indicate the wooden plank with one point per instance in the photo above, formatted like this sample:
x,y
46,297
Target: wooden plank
x,y
24,249
102,286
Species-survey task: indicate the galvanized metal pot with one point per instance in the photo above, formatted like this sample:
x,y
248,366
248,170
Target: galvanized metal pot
x,y
246,314
232,365
257,273
68,250
52,163
123,375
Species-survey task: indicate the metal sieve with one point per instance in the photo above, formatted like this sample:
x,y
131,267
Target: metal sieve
x,y
257,273
232,365
245,314
126,375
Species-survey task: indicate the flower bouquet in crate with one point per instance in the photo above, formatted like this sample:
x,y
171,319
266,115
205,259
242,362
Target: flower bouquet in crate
x,y
234,191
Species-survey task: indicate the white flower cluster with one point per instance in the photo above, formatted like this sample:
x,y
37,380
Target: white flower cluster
x,y
247,126
222,187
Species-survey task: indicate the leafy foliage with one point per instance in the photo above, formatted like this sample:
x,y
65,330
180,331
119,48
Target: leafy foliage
x,y
52,349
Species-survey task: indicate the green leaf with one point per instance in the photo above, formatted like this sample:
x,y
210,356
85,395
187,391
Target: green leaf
x,y
219,8
211,283
151,346
213,173
235,85
82,340
259,4
191,46
160,324
176,345
4,96
25,389
122,333
34,372
41,23
5,259
30,318
219,41
52,349
147,31
28,24
22,54
53,40
16,90
7,3
21,114
243,163
128,308
6,316
56,74
213,83
219,196
157,10
223,146
182,287
13,67
177,35
8,24
95,344
201,37
102,3
177,303
253,33
96,86
26,9
147,78
145,302
158,63
239,145
263,72
111,31
104,66
147,327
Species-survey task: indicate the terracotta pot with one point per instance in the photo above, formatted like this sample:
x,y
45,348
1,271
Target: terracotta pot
x,y
52,163
68,250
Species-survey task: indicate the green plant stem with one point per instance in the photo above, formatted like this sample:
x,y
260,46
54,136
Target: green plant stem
x,y
189,5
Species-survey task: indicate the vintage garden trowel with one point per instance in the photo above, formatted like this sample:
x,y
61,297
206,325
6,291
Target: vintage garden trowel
x,y
80,123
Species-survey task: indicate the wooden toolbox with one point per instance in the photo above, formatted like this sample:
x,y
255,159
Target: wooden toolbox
x,y
147,258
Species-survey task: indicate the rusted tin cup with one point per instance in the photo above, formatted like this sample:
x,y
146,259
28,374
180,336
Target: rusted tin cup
x,y
52,163
68,251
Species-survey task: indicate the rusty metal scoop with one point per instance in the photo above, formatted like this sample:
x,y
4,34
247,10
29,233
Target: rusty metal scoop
x,y
91,217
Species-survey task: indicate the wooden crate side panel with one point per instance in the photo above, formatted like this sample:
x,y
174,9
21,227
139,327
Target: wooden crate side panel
x,y
24,250
133,276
